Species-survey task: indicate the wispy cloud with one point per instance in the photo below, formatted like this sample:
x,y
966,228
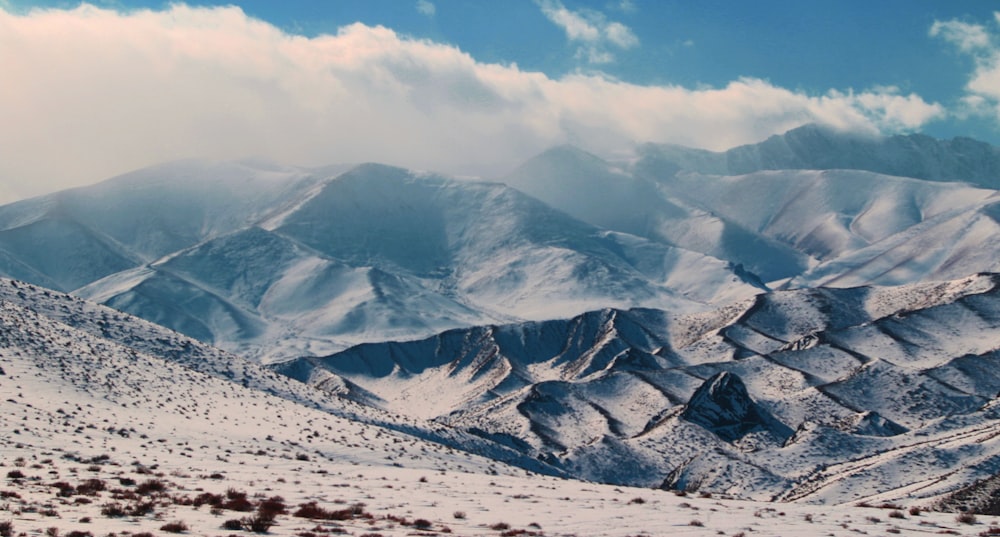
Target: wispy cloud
x,y
91,92
982,43
424,7
625,6
590,31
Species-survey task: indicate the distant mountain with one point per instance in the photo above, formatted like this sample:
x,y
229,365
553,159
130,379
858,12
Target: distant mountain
x,y
298,264
74,237
811,225
814,147
276,262
781,396
615,198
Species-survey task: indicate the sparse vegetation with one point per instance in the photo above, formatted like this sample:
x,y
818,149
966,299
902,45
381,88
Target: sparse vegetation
x,y
966,518
174,527
258,523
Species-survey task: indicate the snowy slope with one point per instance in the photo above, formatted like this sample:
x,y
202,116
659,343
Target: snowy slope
x,y
617,198
776,224
92,417
380,252
72,238
84,326
770,397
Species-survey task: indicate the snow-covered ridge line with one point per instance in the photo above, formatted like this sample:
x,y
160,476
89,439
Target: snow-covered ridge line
x,y
85,324
764,399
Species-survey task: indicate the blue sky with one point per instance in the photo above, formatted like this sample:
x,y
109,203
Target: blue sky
x,y
466,86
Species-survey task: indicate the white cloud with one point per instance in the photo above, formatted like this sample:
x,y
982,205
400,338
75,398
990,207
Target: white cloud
x,y
576,26
620,35
968,37
626,6
591,30
90,92
982,96
426,8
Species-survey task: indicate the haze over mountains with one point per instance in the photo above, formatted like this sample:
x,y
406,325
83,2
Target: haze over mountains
x,y
276,262
726,322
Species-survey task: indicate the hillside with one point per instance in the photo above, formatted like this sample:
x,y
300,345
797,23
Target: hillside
x,y
108,426
781,396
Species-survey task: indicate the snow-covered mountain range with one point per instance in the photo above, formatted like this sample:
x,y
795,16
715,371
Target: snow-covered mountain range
x,y
763,398
276,262
724,322
114,425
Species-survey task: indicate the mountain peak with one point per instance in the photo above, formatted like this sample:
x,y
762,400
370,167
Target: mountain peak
x,y
723,406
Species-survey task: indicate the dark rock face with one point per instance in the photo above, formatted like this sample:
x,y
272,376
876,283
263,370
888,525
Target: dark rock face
x,y
723,406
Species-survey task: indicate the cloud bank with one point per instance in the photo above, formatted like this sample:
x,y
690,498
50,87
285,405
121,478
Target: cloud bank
x,y
89,92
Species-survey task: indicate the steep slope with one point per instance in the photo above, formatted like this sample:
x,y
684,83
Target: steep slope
x,y
46,327
380,252
945,246
97,436
613,197
813,147
771,397
74,237
812,225
826,214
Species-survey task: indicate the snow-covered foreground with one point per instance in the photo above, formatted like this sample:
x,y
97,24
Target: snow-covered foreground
x,y
97,436
157,437
405,501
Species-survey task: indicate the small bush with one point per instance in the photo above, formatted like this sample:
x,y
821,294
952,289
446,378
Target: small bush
x,y
896,514
78,533
422,524
500,526
315,512
696,522
241,505
966,518
142,508
114,510
272,507
207,498
233,524
150,486
174,527
258,523
915,511
7,529
638,501
15,474
460,515
90,487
